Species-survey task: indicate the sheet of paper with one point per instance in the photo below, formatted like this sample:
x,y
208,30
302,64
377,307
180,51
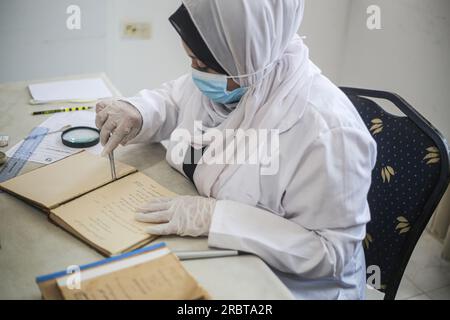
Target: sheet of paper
x,y
85,89
106,216
64,180
51,148
158,279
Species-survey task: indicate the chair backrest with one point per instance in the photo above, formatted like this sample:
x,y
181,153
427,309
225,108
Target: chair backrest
x,y
408,182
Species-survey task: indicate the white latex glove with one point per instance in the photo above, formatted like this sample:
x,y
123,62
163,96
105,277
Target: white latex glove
x,y
119,122
184,216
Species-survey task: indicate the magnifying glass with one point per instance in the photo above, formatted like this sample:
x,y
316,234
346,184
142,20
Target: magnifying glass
x,y
80,137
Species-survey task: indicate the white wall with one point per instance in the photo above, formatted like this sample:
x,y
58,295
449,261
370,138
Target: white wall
x,y
146,64
137,64
325,27
35,43
409,56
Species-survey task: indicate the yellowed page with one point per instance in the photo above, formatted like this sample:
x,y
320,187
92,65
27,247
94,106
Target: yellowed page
x,y
105,217
160,279
64,180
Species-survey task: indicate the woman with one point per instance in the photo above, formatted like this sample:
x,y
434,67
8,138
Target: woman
x,y
252,72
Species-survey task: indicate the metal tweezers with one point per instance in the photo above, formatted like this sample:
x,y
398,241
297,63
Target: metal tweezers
x,y
113,165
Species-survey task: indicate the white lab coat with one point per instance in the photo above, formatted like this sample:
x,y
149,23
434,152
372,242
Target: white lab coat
x,y
310,217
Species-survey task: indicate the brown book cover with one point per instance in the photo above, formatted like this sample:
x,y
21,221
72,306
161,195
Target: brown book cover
x,y
151,273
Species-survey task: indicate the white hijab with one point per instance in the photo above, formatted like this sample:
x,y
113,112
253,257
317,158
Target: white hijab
x,y
256,38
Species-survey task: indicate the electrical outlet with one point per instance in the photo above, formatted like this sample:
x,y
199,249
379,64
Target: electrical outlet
x,y
136,30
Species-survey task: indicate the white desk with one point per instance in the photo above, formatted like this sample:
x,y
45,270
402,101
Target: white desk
x,y
32,246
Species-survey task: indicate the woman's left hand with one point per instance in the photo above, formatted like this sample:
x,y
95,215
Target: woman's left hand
x,y
184,215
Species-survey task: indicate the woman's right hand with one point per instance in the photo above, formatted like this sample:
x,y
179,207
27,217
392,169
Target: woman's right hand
x,y
118,121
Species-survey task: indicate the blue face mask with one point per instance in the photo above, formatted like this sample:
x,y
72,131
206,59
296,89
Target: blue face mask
x,y
214,86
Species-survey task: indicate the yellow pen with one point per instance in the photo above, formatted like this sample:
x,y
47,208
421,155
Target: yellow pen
x,y
61,110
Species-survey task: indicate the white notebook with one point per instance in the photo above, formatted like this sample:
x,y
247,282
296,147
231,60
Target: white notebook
x,y
71,90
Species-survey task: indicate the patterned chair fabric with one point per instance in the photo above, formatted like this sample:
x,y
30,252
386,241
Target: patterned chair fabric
x,y
406,174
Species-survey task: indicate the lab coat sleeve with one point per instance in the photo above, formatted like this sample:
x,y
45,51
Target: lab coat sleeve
x,y
160,109
325,214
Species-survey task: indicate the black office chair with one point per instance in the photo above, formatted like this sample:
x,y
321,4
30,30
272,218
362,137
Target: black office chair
x,y
408,182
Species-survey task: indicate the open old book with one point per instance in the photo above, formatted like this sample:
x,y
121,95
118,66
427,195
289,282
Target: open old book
x,y
78,194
